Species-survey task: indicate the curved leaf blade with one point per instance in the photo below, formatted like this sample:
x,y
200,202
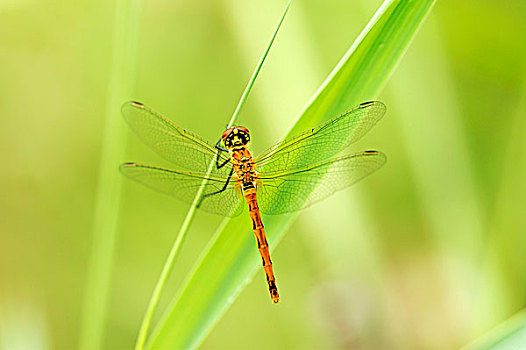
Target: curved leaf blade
x,y
511,334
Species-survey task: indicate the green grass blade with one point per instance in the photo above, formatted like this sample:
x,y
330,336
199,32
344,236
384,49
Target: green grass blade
x,y
511,334
109,184
255,74
231,259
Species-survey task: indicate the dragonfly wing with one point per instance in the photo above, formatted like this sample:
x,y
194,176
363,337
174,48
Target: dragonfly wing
x,y
172,142
220,195
288,191
322,142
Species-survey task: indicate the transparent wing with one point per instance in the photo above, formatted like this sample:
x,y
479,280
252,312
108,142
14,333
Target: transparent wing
x,y
286,191
323,141
220,195
177,145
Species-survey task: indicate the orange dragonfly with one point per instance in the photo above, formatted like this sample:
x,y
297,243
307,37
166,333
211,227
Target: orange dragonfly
x,y
287,177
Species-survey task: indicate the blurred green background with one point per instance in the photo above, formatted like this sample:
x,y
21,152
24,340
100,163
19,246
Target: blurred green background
x,y
429,251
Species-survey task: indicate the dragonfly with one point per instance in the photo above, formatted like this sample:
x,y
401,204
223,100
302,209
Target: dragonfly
x,y
287,177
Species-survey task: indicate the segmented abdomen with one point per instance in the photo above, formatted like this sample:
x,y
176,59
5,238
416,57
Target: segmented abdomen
x,y
261,239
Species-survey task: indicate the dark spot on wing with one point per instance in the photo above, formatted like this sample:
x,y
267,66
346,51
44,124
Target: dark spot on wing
x,y
366,104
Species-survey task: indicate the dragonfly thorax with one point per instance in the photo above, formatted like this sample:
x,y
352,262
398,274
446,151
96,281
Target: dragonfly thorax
x,y
235,137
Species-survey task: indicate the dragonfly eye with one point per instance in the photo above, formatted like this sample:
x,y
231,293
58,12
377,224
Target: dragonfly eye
x,y
236,136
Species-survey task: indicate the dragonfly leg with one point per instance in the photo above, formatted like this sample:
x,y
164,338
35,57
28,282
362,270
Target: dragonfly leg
x,y
222,149
219,166
218,146
216,192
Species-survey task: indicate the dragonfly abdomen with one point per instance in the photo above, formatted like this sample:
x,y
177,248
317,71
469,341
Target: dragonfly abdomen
x,y
261,240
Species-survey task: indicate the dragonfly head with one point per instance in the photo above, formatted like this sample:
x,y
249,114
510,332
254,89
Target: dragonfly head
x,y
235,137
